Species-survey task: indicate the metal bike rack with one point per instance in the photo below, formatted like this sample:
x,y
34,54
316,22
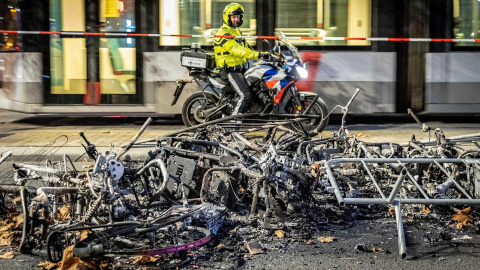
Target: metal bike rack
x,y
394,197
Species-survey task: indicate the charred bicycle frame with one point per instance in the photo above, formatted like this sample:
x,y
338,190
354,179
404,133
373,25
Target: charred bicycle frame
x,y
195,174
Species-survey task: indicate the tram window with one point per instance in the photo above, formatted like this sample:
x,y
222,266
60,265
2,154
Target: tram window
x,y
68,64
466,21
324,18
199,17
10,19
117,55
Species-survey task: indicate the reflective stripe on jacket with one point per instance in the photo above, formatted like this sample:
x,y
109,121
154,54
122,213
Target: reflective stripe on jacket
x,y
229,51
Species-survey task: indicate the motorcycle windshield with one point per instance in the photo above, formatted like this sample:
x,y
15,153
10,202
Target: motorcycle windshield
x,y
292,52
295,53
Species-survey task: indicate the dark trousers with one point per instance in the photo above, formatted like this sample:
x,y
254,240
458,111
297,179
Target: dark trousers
x,y
240,85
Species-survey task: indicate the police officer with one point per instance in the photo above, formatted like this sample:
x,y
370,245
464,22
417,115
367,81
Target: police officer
x,y
232,53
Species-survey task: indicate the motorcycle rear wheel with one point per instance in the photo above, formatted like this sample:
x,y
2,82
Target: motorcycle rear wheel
x,y
193,108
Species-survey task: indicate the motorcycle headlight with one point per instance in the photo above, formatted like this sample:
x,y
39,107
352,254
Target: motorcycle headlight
x,y
302,72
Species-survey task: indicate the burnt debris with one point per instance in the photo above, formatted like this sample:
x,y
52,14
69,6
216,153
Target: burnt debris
x,y
263,171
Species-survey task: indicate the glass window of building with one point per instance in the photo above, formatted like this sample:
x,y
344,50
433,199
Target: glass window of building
x,y
68,67
324,18
199,17
465,21
117,55
10,19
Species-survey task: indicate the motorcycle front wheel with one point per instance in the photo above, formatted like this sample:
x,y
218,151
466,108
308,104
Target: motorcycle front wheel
x,y
194,107
314,126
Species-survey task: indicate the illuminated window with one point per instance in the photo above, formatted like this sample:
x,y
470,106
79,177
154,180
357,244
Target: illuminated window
x,y
68,67
10,19
465,21
117,55
324,18
199,17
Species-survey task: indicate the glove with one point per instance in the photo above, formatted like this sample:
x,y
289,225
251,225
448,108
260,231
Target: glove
x,y
264,55
269,57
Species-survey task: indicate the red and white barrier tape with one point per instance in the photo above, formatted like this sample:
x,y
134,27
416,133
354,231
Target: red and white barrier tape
x,y
246,37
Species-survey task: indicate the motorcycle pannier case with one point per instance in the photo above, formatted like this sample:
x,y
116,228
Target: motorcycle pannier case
x,y
194,59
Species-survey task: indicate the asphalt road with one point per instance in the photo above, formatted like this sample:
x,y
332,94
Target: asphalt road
x,y
431,243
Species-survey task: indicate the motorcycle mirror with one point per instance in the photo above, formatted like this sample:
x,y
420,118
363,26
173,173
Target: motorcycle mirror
x,y
306,64
266,45
277,45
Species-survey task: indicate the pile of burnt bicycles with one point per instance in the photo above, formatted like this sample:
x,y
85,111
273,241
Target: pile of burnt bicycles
x,y
177,198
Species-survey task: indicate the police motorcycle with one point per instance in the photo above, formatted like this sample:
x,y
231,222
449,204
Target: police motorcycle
x,y
272,83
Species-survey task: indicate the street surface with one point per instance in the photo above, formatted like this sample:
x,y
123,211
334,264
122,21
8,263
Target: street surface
x,y
26,134
366,243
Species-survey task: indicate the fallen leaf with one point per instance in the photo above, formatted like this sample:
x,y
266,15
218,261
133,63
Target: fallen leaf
x,y
85,160
17,200
5,234
6,241
280,234
7,226
360,134
19,220
309,242
106,131
144,260
220,248
64,212
426,210
48,265
13,221
327,239
6,238
391,210
84,234
73,263
376,250
88,166
234,230
463,218
8,255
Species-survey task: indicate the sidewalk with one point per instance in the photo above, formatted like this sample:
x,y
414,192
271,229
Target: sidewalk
x,y
18,134
26,134
61,140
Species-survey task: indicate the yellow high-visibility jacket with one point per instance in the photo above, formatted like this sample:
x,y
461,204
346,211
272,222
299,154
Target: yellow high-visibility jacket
x,y
229,51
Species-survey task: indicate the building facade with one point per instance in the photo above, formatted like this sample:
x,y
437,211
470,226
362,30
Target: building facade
x,y
127,75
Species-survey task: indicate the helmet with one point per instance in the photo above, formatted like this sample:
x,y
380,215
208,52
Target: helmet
x,y
232,9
